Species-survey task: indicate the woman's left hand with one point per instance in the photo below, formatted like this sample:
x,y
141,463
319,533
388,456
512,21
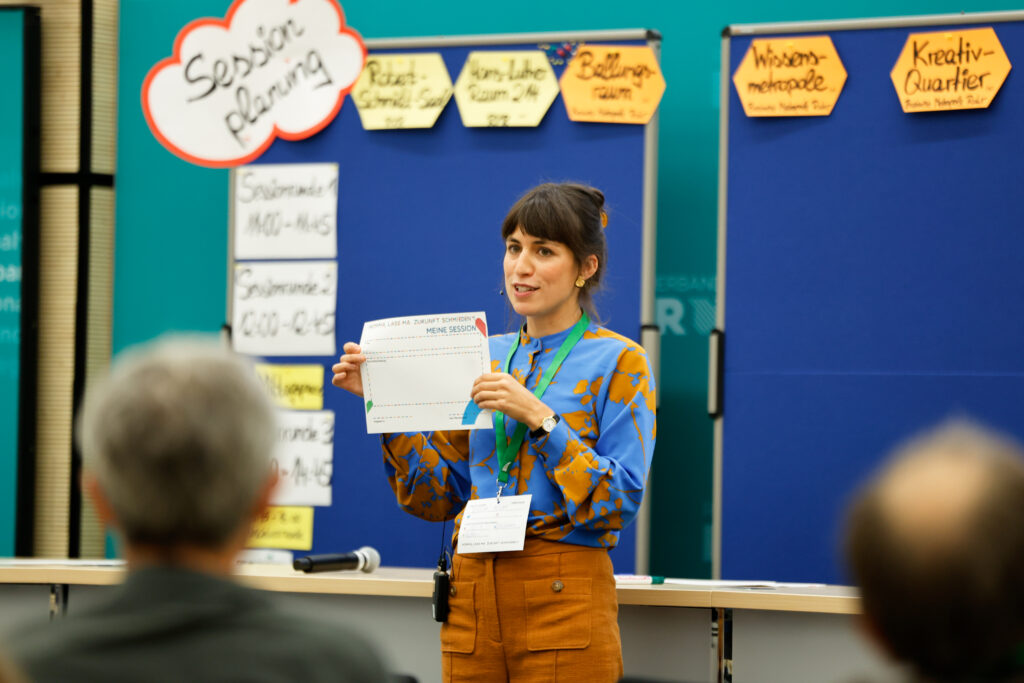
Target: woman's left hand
x,y
500,391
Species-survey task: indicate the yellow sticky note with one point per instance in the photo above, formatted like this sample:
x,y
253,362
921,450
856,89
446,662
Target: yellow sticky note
x,y
943,71
798,76
612,84
283,527
299,387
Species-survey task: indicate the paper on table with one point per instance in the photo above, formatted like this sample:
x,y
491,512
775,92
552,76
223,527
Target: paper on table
x,y
58,561
732,583
264,556
716,583
419,372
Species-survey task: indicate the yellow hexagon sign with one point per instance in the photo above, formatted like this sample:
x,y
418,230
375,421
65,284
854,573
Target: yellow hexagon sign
x,y
612,84
946,70
507,88
402,90
795,76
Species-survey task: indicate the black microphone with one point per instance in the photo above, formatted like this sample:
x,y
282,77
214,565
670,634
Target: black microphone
x,y
366,559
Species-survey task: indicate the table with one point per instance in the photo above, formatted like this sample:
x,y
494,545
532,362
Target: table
x,y
668,631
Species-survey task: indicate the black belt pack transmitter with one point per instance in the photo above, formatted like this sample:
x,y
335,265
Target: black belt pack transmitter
x,y
442,582
440,599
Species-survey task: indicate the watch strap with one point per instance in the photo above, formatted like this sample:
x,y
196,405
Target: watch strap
x,y
542,431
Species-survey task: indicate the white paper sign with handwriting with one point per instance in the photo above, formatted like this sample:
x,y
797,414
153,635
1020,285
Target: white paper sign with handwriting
x,y
304,457
285,211
269,68
284,308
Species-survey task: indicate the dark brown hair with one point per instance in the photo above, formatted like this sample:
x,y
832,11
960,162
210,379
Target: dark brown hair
x,y
569,213
954,610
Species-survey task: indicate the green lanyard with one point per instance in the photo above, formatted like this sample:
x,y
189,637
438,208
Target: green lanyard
x,y
508,448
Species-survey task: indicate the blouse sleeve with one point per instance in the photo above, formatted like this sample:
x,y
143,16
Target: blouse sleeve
x,y
603,485
429,473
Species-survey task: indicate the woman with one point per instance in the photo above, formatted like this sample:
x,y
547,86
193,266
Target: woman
x,y
581,399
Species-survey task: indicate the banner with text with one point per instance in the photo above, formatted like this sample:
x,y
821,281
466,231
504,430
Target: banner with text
x,y
14,147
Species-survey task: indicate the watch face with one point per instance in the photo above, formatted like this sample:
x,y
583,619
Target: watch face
x,y
548,424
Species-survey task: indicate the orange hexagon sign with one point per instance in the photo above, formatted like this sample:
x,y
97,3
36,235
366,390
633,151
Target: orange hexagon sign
x,y
795,76
947,70
612,84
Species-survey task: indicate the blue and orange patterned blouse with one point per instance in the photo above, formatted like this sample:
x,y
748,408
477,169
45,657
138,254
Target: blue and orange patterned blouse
x,y
587,477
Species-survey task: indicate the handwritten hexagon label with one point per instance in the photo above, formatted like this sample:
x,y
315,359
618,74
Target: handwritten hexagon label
x,y
612,84
402,90
508,88
947,70
794,76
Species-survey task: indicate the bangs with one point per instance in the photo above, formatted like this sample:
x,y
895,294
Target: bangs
x,y
544,213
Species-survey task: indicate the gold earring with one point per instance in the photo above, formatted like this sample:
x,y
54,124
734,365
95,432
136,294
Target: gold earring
x,y
580,282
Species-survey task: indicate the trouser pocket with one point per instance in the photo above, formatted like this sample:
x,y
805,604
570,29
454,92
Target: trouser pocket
x,y
559,613
458,634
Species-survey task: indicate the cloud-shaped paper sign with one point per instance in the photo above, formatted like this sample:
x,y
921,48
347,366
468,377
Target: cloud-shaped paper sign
x,y
269,68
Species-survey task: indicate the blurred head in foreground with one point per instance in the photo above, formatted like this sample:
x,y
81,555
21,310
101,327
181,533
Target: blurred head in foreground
x,y
176,446
936,543
176,443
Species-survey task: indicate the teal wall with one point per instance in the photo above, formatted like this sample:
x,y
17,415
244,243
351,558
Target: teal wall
x,y
171,217
12,63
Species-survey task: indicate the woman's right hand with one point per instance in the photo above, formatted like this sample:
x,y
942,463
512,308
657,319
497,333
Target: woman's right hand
x,y
347,373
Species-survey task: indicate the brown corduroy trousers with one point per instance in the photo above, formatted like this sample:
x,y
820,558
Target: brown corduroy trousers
x,y
546,613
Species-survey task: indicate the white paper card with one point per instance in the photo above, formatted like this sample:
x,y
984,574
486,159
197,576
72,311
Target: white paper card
x,y
304,457
285,211
284,308
489,526
264,556
420,370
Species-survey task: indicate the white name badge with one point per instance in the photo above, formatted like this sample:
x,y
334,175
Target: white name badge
x,y
490,526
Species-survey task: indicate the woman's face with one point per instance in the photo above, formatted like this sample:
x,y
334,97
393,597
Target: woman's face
x,y
540,276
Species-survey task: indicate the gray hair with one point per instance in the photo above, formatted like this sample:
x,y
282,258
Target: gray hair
x,y
179,436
